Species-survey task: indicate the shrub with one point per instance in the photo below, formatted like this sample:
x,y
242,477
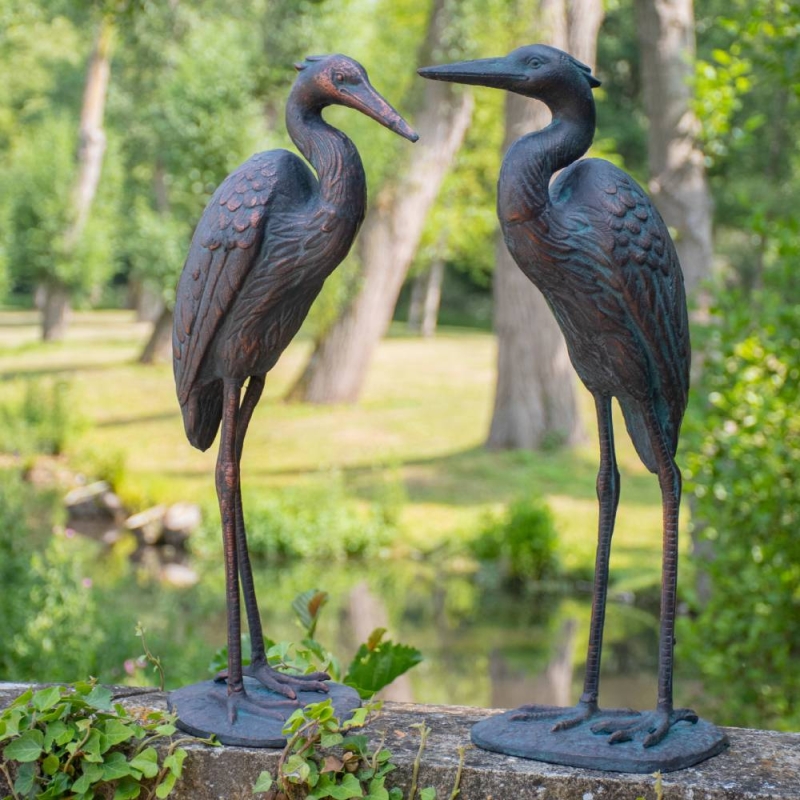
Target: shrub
x,y
522,540
316,522
744,477
39,416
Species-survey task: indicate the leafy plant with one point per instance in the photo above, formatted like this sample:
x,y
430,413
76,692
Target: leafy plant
x,y
522,541
75,742
320,522
377,662
744,479
41,416
323,758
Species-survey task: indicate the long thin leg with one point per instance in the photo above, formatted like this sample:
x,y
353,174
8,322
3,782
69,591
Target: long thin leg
x,y
227,484
259,669
669,479
657,724
252,395
608,498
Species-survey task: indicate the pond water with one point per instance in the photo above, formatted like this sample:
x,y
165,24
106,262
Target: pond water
x,y
482,645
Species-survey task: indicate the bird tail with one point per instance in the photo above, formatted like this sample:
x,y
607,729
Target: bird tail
x,y
636,423
202,414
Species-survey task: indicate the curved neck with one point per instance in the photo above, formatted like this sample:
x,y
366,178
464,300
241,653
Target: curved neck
x,y
342,181
532,160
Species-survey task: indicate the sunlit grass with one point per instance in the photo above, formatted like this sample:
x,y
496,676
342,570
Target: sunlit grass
x,y
422,421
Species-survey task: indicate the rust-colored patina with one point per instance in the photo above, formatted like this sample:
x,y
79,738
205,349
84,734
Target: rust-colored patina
x,y
601,255
269,237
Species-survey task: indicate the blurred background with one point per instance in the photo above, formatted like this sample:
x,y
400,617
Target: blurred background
x,y
424,452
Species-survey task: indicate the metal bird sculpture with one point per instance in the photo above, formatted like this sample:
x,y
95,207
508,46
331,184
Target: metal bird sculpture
x,y
269,237
601,255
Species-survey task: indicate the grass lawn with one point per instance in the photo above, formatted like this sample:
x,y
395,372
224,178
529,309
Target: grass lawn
x,y
421,423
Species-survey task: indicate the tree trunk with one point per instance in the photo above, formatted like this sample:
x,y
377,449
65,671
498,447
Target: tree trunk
x,y
389,238
416,304
678,183
159,346
426,296
55,311
433,298
535,398
91,148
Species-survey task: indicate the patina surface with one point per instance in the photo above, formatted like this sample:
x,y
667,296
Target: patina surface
x,y
600,253
269,237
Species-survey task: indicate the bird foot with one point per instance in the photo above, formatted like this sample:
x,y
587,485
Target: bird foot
x,y
281,682
655,724
240,701
566,718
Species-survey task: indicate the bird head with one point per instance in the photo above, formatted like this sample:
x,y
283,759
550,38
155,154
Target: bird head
x,y
339,80
535,70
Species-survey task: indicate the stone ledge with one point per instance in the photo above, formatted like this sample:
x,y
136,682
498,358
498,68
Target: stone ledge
x,y
759,765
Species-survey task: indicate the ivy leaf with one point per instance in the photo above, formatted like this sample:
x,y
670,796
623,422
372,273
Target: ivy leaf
x,y
100,698
296,769
115,766
264,783
174,762
26,776
45,699
373,669
52,732
127,789
146,762
27,748
9,725
349,787
331,739
166,786
50,764
92,773
116,732
332,764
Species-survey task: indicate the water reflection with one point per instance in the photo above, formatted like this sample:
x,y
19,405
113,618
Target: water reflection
x,y
482,645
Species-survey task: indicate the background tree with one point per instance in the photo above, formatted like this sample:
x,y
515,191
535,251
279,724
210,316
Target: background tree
x,y
51,241
187,88
392,230
535,396
678,185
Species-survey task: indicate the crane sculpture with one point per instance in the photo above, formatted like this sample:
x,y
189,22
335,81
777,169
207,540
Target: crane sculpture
x,y
269,237
600,253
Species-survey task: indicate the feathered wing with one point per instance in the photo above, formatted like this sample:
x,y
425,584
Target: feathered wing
x,y
226,245
638,280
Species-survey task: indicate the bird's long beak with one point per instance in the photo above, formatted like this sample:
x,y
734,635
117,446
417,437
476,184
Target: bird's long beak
x,y
368,101
494,72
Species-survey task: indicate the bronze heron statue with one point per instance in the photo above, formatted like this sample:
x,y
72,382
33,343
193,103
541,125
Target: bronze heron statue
x,y
601,255
269,237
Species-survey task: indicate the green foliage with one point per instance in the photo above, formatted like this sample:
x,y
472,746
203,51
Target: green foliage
x,y
317,522
37,178
325,758
376,664
522,541
74,742
39,416
744,478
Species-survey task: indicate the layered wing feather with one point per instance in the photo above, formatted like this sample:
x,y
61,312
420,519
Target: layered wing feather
x,y
227,244
629,267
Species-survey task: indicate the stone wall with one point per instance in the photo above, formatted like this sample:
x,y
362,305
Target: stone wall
x,y
758,765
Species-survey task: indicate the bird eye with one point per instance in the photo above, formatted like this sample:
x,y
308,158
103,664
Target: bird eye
x,y
535,62
339,77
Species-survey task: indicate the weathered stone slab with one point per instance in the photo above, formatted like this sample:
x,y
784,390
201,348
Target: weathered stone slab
x,y
758,765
